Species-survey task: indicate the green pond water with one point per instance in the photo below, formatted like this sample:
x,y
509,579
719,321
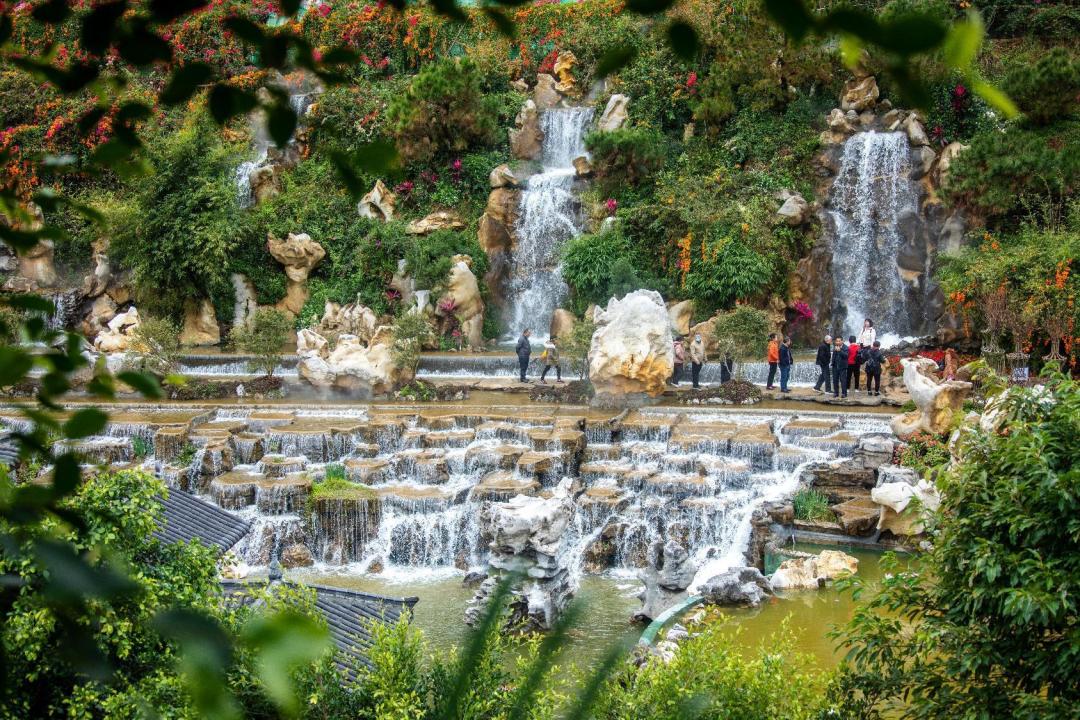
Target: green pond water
x,y
608,601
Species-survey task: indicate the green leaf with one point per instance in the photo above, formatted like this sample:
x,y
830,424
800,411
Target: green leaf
x,y
227,102
280,123
144,383
858,23
30,303
111,153
376,158
963,42
99,26
73,579
615,59
503,24
84,423
205,655
274,51
683,39
14,365
449,9
142,46
339,56
66,474
851,49
290,7
995,97
281,644
6,28
792,16
912,34
244,29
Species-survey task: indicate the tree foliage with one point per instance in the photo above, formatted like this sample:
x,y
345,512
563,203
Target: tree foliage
x,y
264,335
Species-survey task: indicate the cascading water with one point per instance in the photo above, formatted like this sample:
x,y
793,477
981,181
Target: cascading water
x,y
871,196
549,216
261,145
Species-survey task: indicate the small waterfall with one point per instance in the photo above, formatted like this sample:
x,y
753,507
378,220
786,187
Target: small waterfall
x,y
549,216
871,196
262,146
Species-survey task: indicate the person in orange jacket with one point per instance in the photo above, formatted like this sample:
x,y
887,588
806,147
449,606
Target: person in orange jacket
x,y
773,358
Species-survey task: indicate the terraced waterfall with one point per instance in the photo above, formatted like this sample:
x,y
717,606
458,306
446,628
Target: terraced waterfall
x,y
555,491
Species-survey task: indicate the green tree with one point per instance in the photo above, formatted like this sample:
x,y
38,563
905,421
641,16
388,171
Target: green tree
x,y
987,624
1047,90
411,331
156,348
264,335
743,331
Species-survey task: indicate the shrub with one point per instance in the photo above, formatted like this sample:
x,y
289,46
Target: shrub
x,y
428,257
730,272
925,453
411,331
575,347
743,332
812,505
1046,90
264,336
626,156
443,110
606,265
156,347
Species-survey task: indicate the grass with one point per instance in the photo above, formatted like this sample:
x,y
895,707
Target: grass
x,y
337,487
812,505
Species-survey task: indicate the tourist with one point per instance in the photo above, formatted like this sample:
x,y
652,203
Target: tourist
x,y
875,360
550,358
823,360
697,358
853,363
772,356
785,362
524,350
952,364
680,359
727,368
839,364
868,335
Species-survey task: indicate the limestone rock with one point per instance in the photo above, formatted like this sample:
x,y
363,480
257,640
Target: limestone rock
x,y
809,573
102,310
502,176
795,210
582,166
899,514
520,85
526,139
403,283
379,204
265,182
562,323
915,131
859,94
311,344
945,160
680,314
564,70
615,113
923,161
119,333
244,301
740,586
838,122
546,94
299,254
351,319
362,371
200,323
295,556
36,264
676,569
95,284
631,355
937,403
440,220
462,300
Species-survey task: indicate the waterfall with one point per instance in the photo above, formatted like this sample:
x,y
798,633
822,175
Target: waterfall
x,y
870,197
300,102
548,217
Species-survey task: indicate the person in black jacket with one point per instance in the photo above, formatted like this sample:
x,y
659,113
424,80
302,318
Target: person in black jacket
x,y
874,360
839,362
524,350
786,361
823,360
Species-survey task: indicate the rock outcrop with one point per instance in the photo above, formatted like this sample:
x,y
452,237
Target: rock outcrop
x,y
860,94
936,402
562,323
36,265
904,498
119,333
813,571
669,573
299,254
362,371
631,355
681,314
546,93
379,204
739,587
351,319
526,138
564,71
615,113
794,210
462,301
200,324
441,220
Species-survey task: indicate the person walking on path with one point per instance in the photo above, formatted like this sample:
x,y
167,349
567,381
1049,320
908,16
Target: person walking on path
x,y
550,358
680,359
785,361
727,368
697,358
823,360
875,360
524,350
772,356
868,335
853,363
839,361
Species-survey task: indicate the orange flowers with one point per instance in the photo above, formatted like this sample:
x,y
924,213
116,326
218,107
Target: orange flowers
x,y
684,256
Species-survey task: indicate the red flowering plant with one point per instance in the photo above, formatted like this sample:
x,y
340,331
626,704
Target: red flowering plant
x,y
803,312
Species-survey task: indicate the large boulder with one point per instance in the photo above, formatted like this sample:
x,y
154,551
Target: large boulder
x,y
503,176
615,113
265,182
680,314
353,368
440,220
102,310
200,323
351,319
546,94
794,210
299,254
813,571
527,139
945,160
859,94
562,323
379,204
740,586
564,71
904,499
462,300
36,264
631,356
936,402
915,131
119,334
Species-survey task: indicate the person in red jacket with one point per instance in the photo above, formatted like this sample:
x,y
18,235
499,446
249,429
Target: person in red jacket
x,y
853,363
772,356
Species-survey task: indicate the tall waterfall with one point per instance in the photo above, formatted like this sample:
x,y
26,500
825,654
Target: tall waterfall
x,y
871,195
549,216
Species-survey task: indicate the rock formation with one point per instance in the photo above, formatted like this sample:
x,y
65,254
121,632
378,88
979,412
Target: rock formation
x,y
351,319
631,356
441,220
299,254
562,323
362,371
526,139
903,498
403,283
244,301
615,113
936,402
860,94
378,204
462,300
564,70
740,586
794,210
502,176
36,265
813,571
546,93
495,235
680,314
527,537
200,323
119,333
669,573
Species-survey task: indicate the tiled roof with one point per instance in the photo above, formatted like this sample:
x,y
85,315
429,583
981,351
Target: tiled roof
x,y
187,517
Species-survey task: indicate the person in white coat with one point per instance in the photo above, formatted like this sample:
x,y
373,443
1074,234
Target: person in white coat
x,y
868,334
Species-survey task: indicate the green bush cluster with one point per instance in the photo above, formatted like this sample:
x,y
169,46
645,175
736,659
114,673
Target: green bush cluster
x,y
627,156
1047,90
812,505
